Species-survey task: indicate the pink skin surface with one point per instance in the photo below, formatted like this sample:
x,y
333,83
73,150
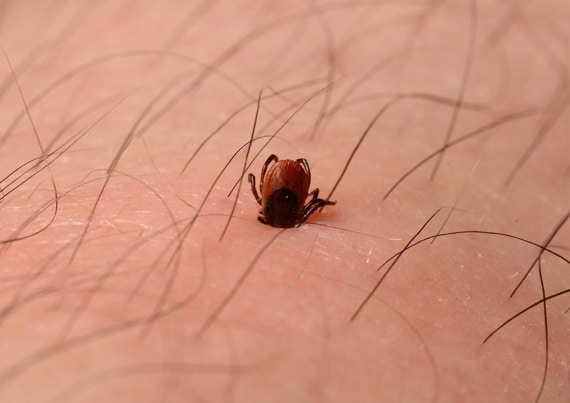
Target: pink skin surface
x,y
133,284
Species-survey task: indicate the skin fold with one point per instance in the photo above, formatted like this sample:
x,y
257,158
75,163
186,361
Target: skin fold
x,y
128,274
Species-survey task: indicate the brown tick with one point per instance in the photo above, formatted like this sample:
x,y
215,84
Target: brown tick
x,y
284,189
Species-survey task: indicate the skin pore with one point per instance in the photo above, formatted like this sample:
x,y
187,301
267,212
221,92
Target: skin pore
x,y
128,274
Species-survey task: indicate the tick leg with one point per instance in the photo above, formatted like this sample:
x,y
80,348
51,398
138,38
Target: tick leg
x,y
313,206
270,159
251,178
261,220
305,164
314,193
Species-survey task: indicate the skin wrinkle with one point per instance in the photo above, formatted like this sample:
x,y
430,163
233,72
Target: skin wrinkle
x,y
126,292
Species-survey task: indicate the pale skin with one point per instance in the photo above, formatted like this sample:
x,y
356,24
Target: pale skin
x,y
129,292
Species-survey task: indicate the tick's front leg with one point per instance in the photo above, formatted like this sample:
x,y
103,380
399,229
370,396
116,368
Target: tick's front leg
x,y
251,178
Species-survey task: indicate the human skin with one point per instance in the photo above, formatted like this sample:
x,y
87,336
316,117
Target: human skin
x,y
131,289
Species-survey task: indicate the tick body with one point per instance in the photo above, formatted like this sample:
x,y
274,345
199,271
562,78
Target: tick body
x,y
284,187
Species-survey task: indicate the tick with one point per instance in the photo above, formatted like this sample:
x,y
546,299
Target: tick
x,y
284,189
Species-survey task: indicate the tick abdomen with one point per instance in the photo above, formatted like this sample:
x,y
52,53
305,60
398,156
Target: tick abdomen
x,y
281,208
